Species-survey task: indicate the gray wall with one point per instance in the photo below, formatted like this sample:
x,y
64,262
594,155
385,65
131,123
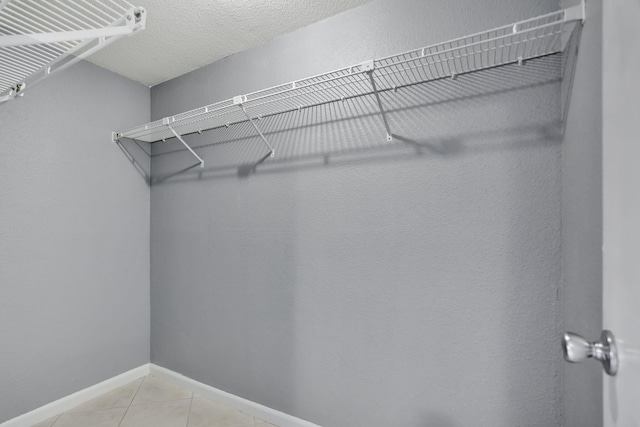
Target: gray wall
x,y
354,282
74,238
581,294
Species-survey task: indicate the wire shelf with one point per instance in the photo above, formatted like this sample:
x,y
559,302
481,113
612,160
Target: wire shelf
x,y
514,43
39,37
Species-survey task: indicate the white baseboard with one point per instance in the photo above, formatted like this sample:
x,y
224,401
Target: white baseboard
x,y
257,410
71,401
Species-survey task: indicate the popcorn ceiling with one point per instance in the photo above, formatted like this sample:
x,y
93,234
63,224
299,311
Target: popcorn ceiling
x,y
183,36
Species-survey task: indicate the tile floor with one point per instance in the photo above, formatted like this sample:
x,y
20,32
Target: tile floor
x,y
151,402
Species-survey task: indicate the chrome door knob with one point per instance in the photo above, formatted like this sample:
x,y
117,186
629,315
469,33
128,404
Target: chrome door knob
x,y
577,349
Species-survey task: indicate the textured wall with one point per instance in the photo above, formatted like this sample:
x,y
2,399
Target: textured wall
x,y
74,230
354,282
582,223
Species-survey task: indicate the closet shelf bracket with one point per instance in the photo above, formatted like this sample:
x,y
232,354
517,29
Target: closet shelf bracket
x,y
239,101
369,68
167,121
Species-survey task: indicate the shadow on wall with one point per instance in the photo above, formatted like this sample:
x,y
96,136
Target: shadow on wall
x,y
135,152
425,119
345,285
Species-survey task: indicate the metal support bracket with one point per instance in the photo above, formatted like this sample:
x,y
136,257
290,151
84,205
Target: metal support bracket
x,y
368,67
14,92
239,101
167,121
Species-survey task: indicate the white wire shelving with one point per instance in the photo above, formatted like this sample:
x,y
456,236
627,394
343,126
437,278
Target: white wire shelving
x,y
41,37
515,43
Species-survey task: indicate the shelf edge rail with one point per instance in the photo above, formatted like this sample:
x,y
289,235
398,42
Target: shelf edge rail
x,y
514,43
34,47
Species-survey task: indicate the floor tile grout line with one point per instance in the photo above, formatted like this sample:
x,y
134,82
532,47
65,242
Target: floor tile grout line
x,y
117,407
132,399
160,401
57,418
95,409
254,422
189,413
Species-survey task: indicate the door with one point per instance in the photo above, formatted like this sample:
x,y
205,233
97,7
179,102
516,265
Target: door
x,y
621,206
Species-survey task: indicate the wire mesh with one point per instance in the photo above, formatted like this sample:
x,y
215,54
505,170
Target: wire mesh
x,y
25,17
509,44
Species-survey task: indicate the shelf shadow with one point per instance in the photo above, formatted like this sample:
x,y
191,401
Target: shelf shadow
x,y
139,155
508,107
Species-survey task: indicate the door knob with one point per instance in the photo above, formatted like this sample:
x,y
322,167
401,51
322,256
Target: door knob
x,y
577,349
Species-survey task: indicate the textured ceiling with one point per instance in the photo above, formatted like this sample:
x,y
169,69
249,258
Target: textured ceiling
x,y
183,36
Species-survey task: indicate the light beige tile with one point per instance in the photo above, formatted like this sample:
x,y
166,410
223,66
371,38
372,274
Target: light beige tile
x,y
47,423
262,423
100,418
164,414
156,390
118,398
207,413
